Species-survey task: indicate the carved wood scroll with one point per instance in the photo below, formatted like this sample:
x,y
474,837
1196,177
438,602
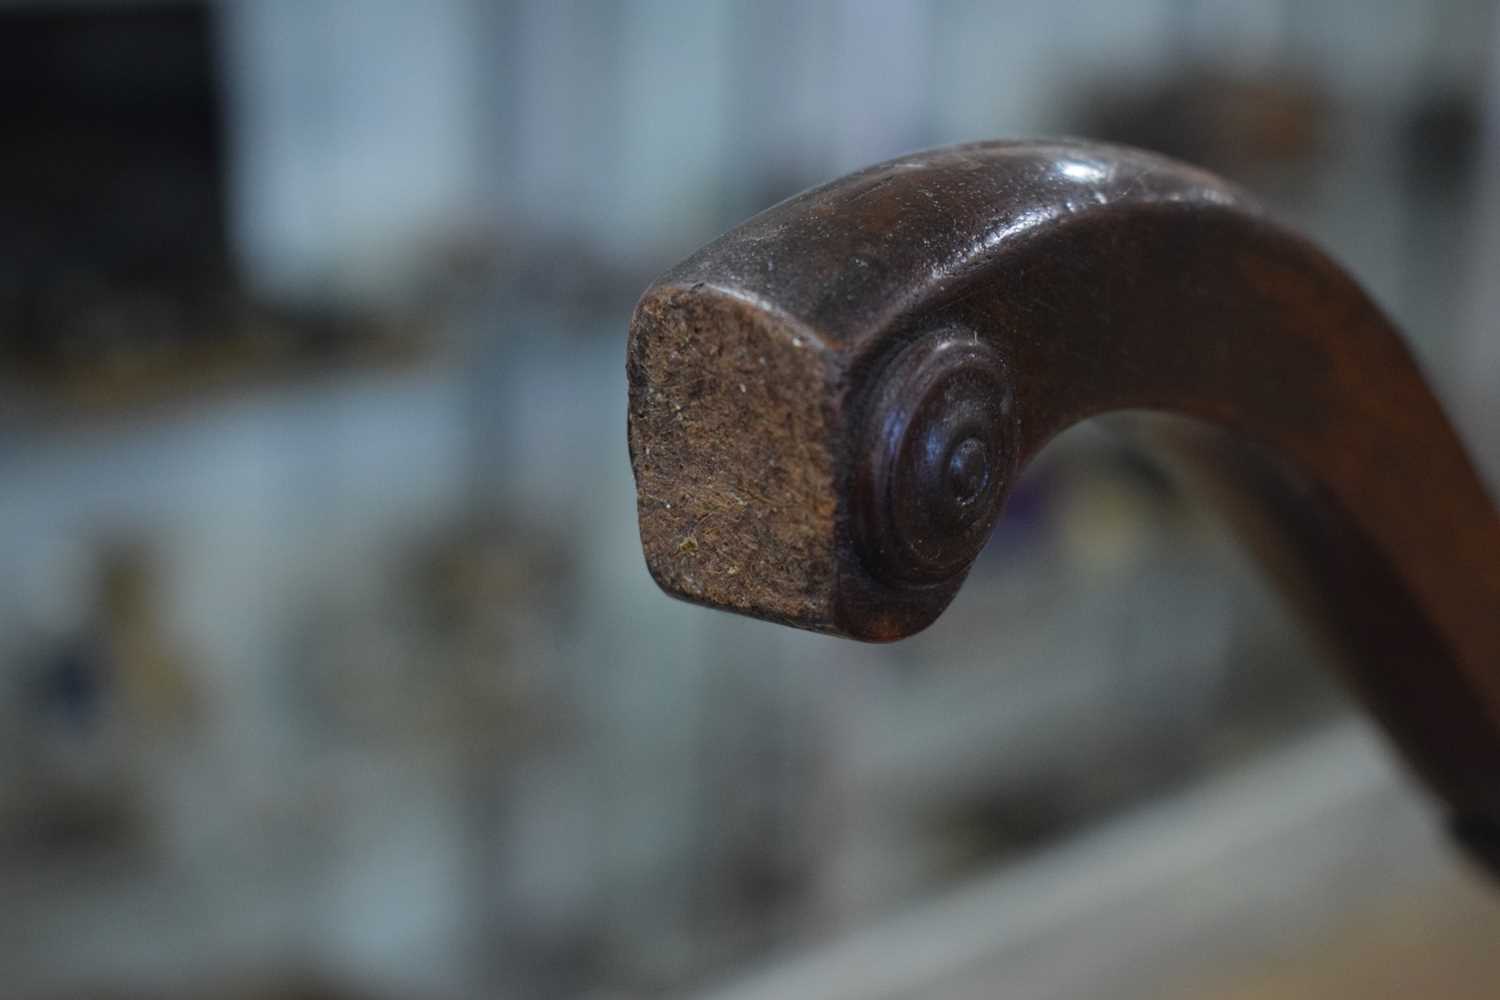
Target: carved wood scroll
x,y
829,403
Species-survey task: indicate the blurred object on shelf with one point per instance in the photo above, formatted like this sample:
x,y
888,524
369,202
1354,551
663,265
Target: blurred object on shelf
x,y
1245,126
115,163
117,285
1441,141
70,780
459,644
153,676
105,696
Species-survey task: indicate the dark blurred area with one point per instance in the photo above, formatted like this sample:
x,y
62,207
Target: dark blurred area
x,y
329,664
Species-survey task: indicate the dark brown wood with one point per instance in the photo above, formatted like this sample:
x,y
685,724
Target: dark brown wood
x,y
829,404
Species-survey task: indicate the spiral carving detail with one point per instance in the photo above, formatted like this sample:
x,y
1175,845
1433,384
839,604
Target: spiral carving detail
x,y
939,447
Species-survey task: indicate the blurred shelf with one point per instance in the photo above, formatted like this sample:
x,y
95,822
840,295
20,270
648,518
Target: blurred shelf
x,y
146,383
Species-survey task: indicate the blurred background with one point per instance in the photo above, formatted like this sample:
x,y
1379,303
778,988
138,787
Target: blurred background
x,y
329,664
